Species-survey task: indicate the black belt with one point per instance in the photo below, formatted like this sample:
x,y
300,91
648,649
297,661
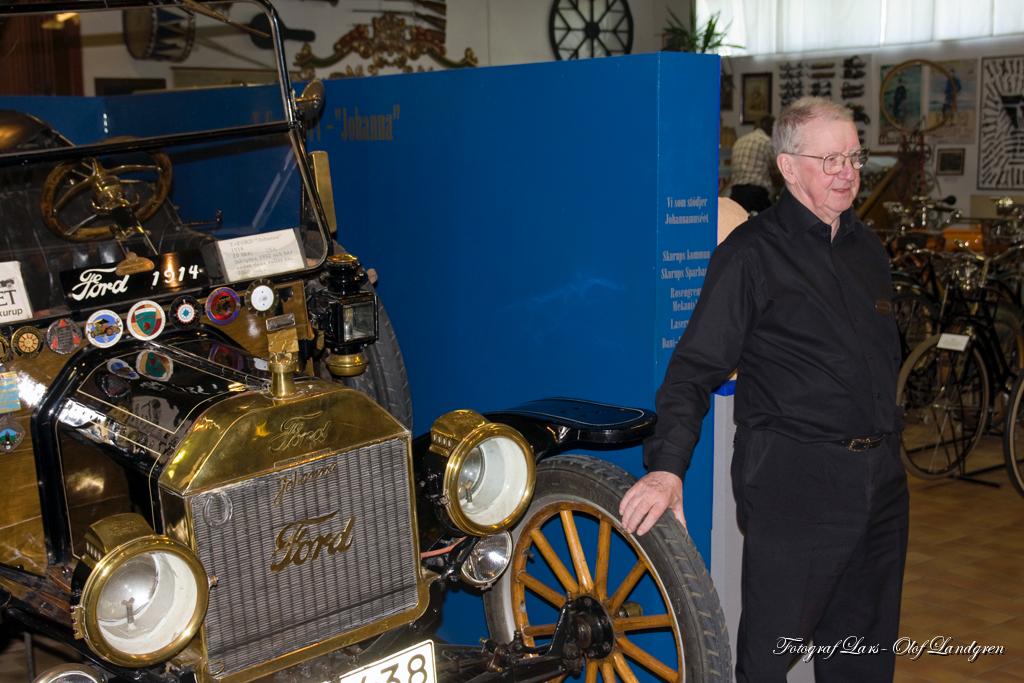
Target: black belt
x,y
863,443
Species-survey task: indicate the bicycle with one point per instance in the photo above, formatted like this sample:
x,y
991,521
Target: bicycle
x,y
917,230
1011,228
952,382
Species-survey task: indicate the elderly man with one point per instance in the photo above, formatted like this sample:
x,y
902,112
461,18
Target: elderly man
x,y
798,299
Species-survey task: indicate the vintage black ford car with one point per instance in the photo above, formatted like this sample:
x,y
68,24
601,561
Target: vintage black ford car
x,y
204,420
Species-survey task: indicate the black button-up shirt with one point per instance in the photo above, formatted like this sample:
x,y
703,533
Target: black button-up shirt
x,y
807,323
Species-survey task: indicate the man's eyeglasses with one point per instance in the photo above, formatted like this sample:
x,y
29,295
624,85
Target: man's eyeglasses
x,y
832,164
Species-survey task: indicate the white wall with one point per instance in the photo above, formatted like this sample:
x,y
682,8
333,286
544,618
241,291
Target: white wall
x,y
962,186
498,31
516,31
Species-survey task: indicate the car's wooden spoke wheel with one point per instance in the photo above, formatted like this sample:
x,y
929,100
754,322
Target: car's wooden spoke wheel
x,y
588,576
643,607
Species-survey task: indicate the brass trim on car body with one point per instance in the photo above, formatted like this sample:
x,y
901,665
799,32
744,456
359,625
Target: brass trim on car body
x,y
111,542
245,424
321,166
453,436
249,330
319,419
22,539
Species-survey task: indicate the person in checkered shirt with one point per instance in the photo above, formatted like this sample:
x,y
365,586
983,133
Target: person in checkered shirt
x,y
752,159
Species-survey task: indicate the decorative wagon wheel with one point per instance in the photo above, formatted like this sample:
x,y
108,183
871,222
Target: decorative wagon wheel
x,y
645,607
590,28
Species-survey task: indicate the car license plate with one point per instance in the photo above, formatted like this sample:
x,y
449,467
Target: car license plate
x,y
412,665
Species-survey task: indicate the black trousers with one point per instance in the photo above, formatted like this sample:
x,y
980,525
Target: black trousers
x,y
825,542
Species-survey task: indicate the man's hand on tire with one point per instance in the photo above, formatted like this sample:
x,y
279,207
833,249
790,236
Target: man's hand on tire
x,y
648,499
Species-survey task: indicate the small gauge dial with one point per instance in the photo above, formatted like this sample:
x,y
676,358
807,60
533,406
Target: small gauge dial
x,y
261,297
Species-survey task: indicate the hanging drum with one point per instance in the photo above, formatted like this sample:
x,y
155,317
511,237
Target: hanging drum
x,y
159,34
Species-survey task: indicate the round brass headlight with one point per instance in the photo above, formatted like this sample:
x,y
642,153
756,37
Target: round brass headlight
x,y
143,601
70,673
489,476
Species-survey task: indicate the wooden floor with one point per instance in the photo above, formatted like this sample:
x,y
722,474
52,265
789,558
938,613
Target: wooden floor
x,y
965,575
964,581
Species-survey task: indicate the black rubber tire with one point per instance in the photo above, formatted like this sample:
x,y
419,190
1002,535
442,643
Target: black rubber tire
x,y
666,548
385,379
925,388
1013,436
1009,323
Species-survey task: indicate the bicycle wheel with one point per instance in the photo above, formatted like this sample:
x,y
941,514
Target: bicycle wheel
x,y
1013,436
945,396
1008,321
916,318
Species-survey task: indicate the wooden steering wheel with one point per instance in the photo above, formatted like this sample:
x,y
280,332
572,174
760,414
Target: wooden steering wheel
x,y
70,199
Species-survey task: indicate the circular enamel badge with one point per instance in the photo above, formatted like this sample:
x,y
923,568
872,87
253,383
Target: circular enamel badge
x,y
185,311
154,365
27,341
223,305
146,320
117,366
63,336
11,434
114,386
104,328
261,297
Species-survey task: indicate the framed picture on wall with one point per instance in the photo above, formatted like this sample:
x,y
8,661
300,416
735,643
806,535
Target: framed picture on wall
x,y
1001,124
756,96
950,161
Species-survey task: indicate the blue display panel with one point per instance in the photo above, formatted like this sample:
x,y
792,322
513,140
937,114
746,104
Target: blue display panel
x,y
539,230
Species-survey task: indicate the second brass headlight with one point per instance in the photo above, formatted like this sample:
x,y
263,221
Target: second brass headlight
x,y
489,474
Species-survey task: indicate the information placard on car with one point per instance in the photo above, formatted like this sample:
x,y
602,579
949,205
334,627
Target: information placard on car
x,y
14,303
412,665
245,258
98,285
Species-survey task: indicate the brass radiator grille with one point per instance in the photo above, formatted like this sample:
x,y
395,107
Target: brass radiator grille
x,y
306,553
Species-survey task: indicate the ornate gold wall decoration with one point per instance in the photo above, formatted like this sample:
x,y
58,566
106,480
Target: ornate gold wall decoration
x,y
387,42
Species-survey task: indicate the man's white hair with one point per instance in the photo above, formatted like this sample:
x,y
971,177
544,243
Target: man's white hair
x,y
786,137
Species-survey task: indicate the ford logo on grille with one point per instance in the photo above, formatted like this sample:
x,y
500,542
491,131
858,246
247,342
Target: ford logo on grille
x,y
296,544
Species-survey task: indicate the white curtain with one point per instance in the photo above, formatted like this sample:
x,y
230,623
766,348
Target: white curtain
x,y
1007,17
907,21
770,26
955,19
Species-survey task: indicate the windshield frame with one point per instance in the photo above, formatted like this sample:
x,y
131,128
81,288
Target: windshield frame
x,y
293,125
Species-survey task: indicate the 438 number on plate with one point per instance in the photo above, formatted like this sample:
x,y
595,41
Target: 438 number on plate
x,y
412,665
